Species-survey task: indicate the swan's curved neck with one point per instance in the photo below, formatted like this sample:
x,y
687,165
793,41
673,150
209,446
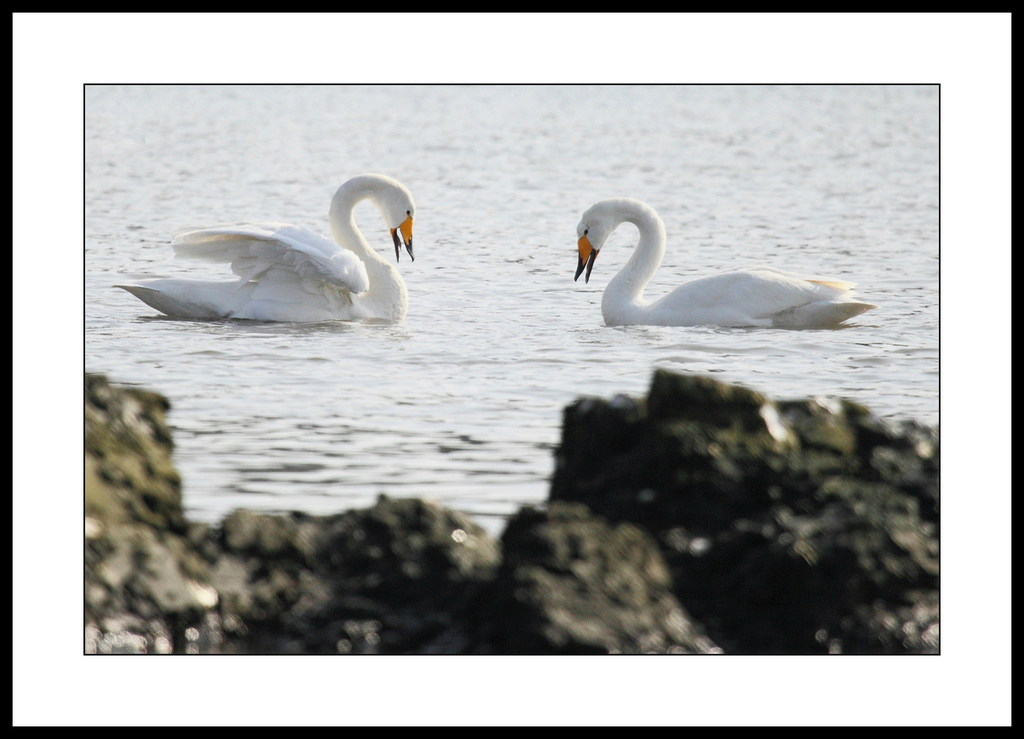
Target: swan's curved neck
x,y
342,217
627,287
387,288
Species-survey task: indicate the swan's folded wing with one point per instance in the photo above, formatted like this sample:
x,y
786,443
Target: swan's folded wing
x,y
842,285
768,292
253,249
747,296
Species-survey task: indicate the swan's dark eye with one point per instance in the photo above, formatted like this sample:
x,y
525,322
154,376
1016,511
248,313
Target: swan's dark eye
x,y
586,231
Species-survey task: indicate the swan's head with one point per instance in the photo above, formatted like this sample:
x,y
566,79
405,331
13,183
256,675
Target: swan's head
x,y
592,232
406,229
389,195
399,210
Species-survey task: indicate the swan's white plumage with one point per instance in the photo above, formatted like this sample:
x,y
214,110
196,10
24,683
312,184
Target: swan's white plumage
x,y
286,273
755,297
254,248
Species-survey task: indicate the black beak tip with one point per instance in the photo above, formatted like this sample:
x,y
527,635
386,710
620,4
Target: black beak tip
x,y
588,265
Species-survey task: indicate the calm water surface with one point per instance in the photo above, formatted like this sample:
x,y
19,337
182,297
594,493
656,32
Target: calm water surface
x,y
462,400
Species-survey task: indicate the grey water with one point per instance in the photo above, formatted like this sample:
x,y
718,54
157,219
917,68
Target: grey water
x,y
462,401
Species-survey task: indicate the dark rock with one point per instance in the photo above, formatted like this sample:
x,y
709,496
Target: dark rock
x,y
789,528
572,584
145,586
393,578
705,518
129,475
389,579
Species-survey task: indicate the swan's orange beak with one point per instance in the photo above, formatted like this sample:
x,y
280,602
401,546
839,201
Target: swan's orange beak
x,y
587,256
406,229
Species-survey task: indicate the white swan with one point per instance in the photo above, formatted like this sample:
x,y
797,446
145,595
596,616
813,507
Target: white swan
x,y
289,274
758,297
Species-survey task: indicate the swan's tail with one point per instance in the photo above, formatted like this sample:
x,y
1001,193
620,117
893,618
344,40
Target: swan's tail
x,y
168,304
822,314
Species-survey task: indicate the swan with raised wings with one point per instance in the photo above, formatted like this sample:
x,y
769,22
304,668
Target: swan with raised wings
x,y
286,273
756,297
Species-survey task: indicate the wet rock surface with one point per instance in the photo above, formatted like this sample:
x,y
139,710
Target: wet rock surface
x,y
144,583
390,579
571,583
797,527
702,519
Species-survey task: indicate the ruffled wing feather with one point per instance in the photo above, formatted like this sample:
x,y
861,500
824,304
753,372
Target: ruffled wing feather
x,y
254,249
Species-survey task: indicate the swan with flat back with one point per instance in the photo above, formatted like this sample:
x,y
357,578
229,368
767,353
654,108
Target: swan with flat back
x,y
761,297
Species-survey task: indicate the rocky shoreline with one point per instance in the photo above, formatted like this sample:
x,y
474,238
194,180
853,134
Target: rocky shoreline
x,y
703,518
